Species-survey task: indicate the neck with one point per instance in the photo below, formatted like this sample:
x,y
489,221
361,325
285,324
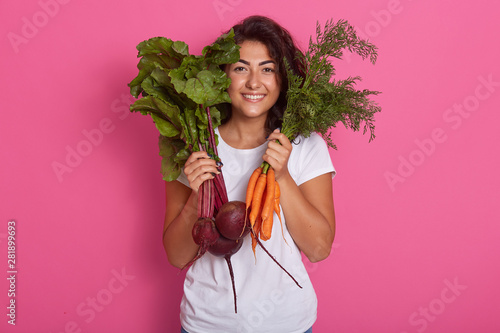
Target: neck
x,y
244,134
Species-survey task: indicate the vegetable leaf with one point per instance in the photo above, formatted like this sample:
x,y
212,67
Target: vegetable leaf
x,y
166,128
317,102
169,149
157,52
225,51
180,91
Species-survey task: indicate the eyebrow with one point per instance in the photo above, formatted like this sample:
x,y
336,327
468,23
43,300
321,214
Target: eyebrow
x,y
260,63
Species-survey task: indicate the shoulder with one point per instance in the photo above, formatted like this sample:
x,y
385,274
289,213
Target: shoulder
x,y
310,158
313,139
311,145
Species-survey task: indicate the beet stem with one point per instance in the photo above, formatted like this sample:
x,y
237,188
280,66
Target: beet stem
x,y
218,203
211,131
200,202
219,178
221,187
211,192
274,259
228,261
201,252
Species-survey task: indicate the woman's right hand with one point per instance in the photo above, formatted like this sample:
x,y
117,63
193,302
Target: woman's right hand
x,y
198,168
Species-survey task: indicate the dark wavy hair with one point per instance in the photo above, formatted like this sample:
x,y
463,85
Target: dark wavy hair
x,y
280,45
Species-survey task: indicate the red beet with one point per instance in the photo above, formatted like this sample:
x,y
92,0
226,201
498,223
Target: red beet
x,y
204,234
225,247
231,220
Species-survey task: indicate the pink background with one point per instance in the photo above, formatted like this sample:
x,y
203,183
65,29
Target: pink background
x,y
417,246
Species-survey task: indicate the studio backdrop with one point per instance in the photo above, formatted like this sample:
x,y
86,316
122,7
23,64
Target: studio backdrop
x,y
83,201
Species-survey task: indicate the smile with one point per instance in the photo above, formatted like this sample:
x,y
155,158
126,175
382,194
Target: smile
x,y
254,97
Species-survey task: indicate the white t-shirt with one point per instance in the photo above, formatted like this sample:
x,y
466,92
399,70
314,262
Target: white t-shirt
x,y
268,300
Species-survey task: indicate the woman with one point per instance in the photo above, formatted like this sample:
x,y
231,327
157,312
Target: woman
x,y
268,300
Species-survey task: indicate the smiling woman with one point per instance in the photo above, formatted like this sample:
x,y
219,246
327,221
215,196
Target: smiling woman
x,y
274,43
250,133
254,90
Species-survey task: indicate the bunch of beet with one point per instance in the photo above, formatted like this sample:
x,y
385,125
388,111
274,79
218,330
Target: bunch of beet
x,y
222,236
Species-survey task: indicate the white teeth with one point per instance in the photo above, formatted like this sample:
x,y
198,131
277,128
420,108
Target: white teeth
x,y
253,96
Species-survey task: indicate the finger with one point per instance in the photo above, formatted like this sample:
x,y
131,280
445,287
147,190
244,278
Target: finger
x,y
278,152
200,179
282,148
199,168
196,160
281,138
280,166
199,175
275,160
196,156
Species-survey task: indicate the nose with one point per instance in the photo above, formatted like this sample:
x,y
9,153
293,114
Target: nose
x,y
253,81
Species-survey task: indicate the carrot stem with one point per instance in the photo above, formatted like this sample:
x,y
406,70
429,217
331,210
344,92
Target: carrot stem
x,y
265,166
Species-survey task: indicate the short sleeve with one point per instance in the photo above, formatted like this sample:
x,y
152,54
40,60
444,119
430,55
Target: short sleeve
x,y
182,178
310,158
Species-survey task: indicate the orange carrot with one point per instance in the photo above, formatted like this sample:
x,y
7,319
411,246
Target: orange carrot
x,y
277,209
268,209
257,198
266,229
255,233
271,183
251,186
250,191
254,245
277,191
257,226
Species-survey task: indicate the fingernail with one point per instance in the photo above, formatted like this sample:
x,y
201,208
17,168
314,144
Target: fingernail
x,y
219,163
219,169
209,155
212,173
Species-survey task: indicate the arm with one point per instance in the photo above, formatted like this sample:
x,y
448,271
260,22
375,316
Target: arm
x,y
181,209
308,208
310,215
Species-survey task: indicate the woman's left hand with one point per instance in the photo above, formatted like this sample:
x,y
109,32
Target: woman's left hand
x,y
277,154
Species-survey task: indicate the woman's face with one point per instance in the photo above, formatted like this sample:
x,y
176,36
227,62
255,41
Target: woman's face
x,y
254,85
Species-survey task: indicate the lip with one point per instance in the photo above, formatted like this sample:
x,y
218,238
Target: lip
x,y
253,97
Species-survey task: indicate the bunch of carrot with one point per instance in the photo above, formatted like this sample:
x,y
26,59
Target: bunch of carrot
x,y
262,200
